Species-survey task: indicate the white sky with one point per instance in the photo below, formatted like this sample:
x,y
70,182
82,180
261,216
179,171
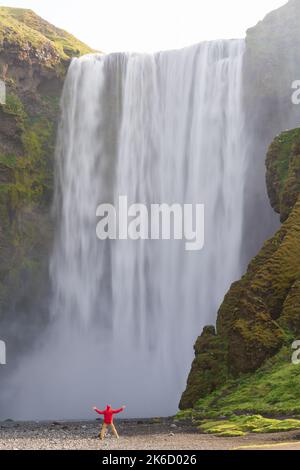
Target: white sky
x,y
150,25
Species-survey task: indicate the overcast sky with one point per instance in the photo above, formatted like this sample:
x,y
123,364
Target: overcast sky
x,y
150,25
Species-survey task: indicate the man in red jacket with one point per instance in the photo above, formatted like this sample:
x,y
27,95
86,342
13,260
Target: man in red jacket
x,y
108,420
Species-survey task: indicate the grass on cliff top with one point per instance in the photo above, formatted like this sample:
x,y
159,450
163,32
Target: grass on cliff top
x,y
241,425
21,26
273,390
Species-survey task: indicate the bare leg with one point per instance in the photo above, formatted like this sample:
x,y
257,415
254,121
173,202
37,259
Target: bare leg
x,y
114,430
103,431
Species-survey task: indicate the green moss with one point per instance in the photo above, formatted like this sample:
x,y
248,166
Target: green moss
x,y
290,317
259,315
14,106
25,194
241,425
283,171
208,370
284,145
185,415
32,175
42,51
273,389
24,28
9,161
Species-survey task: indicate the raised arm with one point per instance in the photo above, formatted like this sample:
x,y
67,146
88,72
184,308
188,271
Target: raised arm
x,y
98,411
119,410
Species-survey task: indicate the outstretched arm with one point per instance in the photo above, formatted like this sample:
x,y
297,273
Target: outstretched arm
x,y
119,410
98,411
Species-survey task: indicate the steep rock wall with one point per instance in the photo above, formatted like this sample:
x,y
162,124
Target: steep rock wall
x,y
34,57
261,312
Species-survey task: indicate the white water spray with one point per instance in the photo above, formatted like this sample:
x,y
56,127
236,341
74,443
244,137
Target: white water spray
x,y
163,128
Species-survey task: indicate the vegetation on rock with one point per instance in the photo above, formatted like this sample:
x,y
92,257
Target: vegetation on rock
x,y
259,317
35,37
25,195
273,390
283,172
34,56
242,425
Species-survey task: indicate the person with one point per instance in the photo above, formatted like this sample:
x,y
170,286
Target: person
x,y
108,415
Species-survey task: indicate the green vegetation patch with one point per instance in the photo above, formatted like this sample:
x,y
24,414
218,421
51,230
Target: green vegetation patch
x,y
14,106
24,28
285,143
26,187
9,161
241,425
283,169
274,390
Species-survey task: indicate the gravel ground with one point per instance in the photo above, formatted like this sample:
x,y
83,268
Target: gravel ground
x,y
142,434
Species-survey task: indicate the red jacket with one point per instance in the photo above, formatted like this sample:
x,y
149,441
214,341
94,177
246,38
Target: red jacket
x,y
109,414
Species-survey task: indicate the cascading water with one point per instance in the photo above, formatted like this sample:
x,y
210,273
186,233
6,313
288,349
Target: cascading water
x,y
162,128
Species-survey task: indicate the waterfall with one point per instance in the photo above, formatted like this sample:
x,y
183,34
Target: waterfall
x,y
163,128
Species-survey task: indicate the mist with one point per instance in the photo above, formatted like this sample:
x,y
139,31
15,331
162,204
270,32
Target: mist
x,y
168,128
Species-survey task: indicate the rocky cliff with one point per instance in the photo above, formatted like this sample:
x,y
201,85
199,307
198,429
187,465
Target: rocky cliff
x,y
271,65
260,314
272,42
34,57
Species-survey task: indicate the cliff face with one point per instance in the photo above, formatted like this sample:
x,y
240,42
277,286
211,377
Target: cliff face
x,y
271,65
34,57
261,312
272,42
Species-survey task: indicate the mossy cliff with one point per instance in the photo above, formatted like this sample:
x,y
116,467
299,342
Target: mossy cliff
x,y
27,38
260,314
34,57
